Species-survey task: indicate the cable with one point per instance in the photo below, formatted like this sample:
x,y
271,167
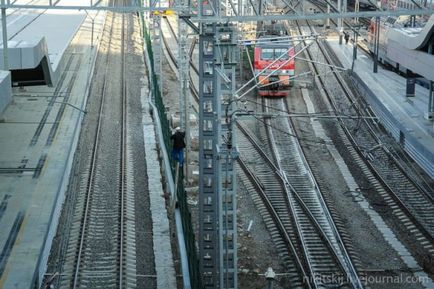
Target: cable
x,y
286,112
290,134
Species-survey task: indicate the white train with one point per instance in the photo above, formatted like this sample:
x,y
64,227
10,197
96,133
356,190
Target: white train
x,y
393,4
405,44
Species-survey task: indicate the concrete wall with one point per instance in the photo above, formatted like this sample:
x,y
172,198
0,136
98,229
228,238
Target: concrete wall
x,y
5,90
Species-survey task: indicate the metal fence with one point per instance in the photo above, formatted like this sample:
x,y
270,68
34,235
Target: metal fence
x,y
190,243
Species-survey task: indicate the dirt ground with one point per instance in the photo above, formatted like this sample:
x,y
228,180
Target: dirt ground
x,y
256,251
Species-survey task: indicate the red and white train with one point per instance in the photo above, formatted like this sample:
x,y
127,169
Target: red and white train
x,y
274,63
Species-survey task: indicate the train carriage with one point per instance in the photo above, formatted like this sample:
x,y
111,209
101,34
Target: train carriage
x,y
274,63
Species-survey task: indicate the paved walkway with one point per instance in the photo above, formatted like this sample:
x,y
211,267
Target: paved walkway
x,y
38,136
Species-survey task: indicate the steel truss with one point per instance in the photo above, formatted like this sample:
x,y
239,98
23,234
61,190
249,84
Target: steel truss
x,y
217,151
251,12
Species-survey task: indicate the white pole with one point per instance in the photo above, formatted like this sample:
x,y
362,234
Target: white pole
x,y
5,38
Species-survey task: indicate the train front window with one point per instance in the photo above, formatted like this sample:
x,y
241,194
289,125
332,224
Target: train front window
x,y
282,53
267,54
274,53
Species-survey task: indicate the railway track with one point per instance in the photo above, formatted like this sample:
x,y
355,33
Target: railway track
x,y
257,180
301,269
302,226
100,249
323,7
302,234
354,104
407,194
93,228
173,59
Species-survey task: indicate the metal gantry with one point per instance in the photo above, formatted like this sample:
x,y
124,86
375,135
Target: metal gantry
x,y
250,12
208,188
226,62
217,184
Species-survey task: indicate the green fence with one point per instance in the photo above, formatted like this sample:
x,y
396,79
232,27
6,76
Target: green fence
x,y
181,193
190,245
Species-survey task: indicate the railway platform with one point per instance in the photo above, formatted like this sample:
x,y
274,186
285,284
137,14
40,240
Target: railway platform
x,y
39,131
37,40
404,117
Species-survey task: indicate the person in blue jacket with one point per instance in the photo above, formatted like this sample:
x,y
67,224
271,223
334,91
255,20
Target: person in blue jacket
x,y
178,146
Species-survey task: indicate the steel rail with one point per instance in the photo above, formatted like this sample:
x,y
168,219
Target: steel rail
x,y
322,5
260,189
287,191
287,186
349,268
344,263
371,129
341,264
359,151
392,193
90,181
368,110
172,57
193,45
123,154
93,166
291,247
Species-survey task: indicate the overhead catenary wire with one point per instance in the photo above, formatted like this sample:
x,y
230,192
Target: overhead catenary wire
x,y
266,68
289,134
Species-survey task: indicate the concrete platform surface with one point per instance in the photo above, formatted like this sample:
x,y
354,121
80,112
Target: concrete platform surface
x,y
57,27
38,134
404,117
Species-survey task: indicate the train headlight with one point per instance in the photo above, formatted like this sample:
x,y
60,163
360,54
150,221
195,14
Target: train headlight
x,y
284,71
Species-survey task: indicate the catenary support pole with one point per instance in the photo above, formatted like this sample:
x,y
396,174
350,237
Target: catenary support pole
x,y
431,99
5,39
376,43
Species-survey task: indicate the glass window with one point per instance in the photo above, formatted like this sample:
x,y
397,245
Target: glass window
x,y
267,54
278,52
274,53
